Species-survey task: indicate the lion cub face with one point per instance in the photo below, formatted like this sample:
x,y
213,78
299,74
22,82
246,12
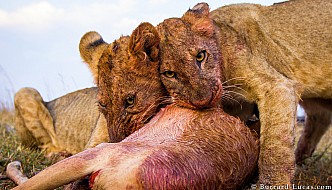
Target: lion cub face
x,y
126,72
190,58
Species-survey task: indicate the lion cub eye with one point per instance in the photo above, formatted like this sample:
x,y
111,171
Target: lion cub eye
x,y
201,56
102,105
169,74
130,100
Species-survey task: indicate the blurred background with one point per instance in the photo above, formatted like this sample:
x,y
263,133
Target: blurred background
x,y
39,38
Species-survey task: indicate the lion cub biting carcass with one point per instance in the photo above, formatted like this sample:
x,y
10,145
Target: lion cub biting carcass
x,y
179,148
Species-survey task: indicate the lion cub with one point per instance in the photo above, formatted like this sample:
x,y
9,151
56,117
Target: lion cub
x,y
179,148
130,89
68,124
272,56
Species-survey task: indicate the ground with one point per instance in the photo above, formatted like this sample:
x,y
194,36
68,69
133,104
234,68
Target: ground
x,y
314,172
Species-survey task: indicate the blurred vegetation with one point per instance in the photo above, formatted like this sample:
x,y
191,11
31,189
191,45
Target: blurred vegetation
x,y
316,169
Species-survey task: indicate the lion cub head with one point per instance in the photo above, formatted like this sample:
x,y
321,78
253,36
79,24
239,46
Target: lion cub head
x,y
126,73
189,53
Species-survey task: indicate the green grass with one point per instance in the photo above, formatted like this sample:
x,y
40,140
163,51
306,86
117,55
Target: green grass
x,y
314,171
32,161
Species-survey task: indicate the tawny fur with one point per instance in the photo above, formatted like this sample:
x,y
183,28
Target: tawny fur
x,y
68,124
179,148
125,71
272,56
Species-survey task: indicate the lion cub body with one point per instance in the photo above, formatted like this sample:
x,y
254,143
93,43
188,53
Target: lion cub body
x,y
271,56
68,124
294,38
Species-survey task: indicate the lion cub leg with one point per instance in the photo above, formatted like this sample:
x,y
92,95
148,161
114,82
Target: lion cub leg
x,y
318,119
33,121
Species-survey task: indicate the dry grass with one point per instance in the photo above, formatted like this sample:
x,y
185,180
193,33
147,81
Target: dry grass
x,y
312,173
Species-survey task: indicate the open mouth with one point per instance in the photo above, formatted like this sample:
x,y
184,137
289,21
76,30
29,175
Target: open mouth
x,y
160,106
92,178
197,104
216,94
189,105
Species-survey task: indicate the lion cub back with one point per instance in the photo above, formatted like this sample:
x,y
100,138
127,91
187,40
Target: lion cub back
x,y
70,123
294,37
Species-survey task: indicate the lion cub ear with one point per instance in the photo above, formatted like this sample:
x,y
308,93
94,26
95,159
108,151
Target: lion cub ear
x,y
198,17
91,48
144,41
201,9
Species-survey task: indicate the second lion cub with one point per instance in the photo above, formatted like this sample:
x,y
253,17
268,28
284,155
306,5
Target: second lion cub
x,y
272,56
